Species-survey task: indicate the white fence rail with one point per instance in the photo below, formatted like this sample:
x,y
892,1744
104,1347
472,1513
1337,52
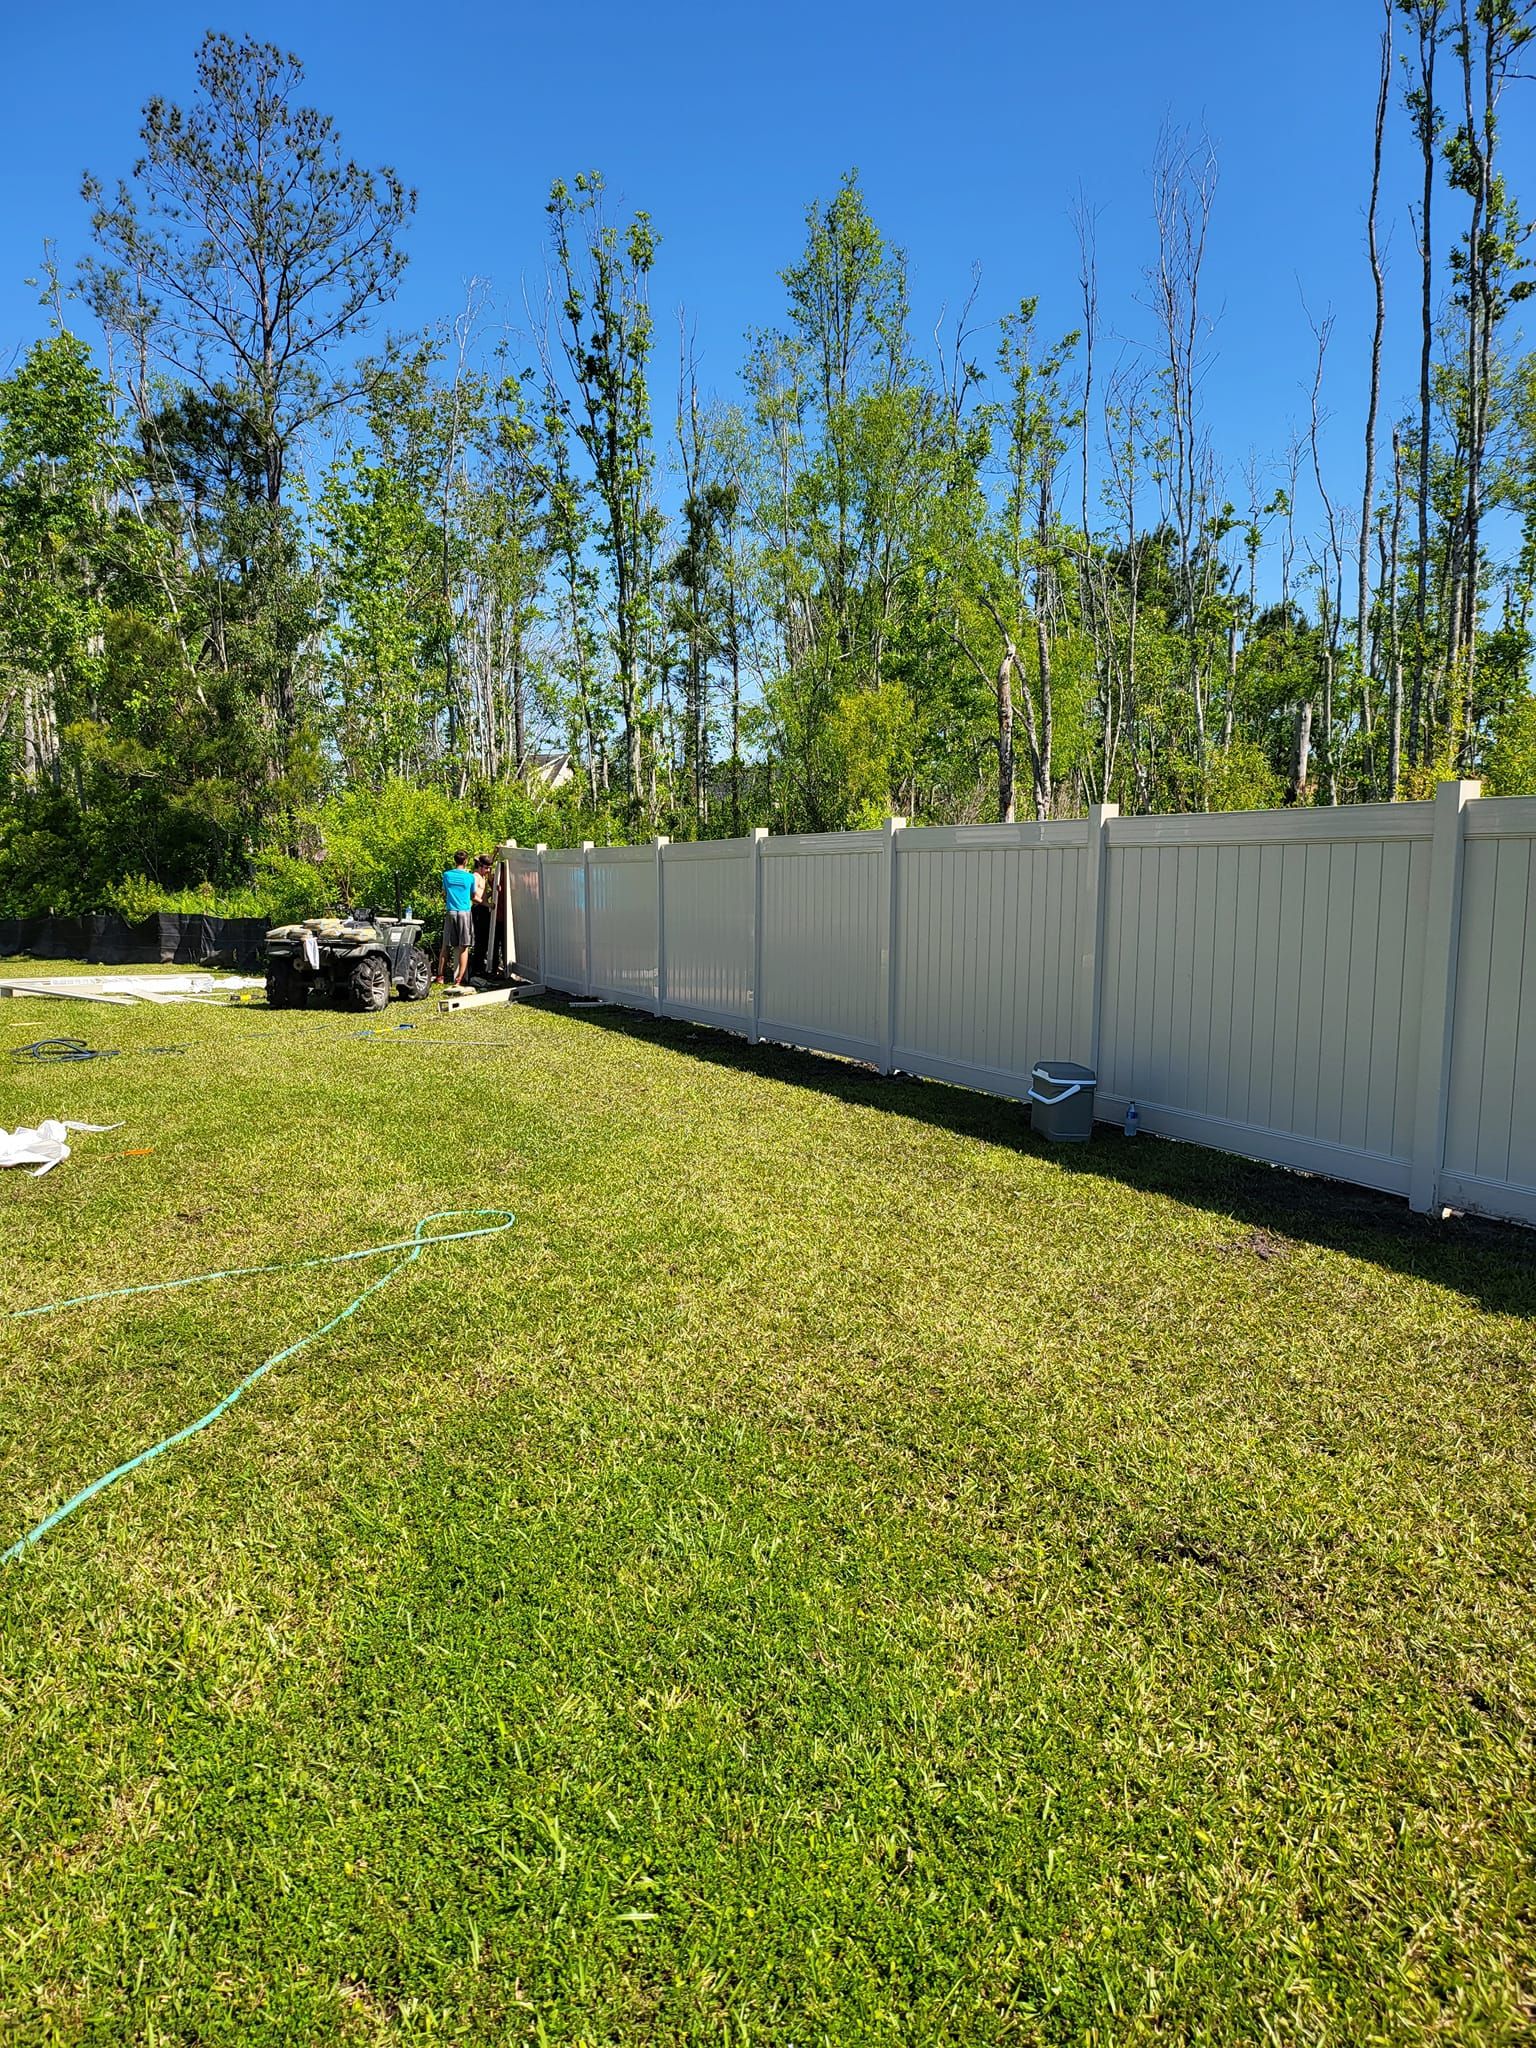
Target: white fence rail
x,y
1351,991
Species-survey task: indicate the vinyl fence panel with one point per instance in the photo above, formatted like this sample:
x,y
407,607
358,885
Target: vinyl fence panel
x,y
823,954
1262,983
988,943
522,872
1490,1131
1350,991
565,920
710,892
622,884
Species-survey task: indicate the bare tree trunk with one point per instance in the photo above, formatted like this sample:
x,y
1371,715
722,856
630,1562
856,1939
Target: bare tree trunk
x,y
1184,191
1395,643
735,740
1427,20
1333,562
1368,490
1005,804
1303,751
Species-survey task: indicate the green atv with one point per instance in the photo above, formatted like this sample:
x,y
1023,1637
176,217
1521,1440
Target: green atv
x,y
355,960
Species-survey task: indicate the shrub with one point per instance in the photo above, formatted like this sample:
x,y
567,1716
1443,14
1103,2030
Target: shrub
x,y
136,896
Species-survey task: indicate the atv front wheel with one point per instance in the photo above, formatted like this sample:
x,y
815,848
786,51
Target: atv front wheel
x,y
416,981
368,983
284,989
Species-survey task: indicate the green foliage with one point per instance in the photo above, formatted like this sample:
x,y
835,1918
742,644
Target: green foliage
x,y
136,896
870,739
389,620
60,463
896,579
387,847
1510,767
246,245
1242,778
607,336
40,866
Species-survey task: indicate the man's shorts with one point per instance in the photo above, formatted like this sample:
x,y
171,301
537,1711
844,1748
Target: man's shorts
x,y
458,930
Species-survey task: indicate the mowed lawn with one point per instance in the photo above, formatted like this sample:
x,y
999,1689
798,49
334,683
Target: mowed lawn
x,y
837,1572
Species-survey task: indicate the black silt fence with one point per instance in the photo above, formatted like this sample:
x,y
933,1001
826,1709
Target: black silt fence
x,y
189,939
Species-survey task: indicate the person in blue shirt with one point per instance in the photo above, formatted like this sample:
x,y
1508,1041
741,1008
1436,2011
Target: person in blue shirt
x,y
458,920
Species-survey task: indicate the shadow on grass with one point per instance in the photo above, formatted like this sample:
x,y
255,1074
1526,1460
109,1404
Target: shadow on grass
x,y
1493,1263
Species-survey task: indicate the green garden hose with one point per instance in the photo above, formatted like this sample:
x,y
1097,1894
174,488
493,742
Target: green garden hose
x,y
412,1247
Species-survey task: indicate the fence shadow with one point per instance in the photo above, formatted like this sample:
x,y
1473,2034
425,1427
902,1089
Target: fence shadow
x,y
1492,1263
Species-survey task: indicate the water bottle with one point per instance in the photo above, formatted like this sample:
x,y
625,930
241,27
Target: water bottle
x,y
1132,1120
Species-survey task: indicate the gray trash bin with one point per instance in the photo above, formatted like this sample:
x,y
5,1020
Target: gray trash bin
x,y
1061,1101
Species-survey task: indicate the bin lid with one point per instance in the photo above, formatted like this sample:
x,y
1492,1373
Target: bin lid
x,y
1063,1070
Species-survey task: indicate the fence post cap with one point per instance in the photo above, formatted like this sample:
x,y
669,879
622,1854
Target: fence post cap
x,y
759,831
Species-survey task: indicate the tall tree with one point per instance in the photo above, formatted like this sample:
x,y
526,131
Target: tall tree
x,y
1373,401
243,250
1183,195
605,333
60,468
1424,111
1014,569
244,246
1488,38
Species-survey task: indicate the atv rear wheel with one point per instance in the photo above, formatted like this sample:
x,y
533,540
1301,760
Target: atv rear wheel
x,y
416,981
284,989
368,982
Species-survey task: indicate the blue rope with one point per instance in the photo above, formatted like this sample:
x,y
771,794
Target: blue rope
x,y
412,1246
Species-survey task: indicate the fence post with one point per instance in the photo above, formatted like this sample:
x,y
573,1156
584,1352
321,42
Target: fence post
x,y
543,973
759,834
1090,932
503,906
586,904
1442,931
887,913
661,843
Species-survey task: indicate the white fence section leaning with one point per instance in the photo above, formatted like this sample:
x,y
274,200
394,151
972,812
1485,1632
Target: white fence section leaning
x,y
1349,990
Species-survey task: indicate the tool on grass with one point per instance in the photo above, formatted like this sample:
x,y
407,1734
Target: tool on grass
x,y
412,1247
108,1158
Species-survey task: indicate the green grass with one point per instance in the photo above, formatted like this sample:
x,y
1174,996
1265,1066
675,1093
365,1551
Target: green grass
x,y
838,1572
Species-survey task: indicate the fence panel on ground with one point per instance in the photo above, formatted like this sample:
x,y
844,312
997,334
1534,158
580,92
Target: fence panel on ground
x,y
1350,991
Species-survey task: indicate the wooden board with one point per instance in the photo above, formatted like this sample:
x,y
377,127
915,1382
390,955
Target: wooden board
x,y
480,999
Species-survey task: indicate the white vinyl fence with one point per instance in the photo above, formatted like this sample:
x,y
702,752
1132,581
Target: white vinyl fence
x,y
1351,991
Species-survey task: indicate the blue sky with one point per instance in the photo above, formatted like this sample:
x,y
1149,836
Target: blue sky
x,y
973,130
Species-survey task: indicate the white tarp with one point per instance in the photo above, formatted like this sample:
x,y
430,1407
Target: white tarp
x,y
44,1148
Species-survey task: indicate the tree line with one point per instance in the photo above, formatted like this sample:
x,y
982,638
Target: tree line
x,y
287,597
